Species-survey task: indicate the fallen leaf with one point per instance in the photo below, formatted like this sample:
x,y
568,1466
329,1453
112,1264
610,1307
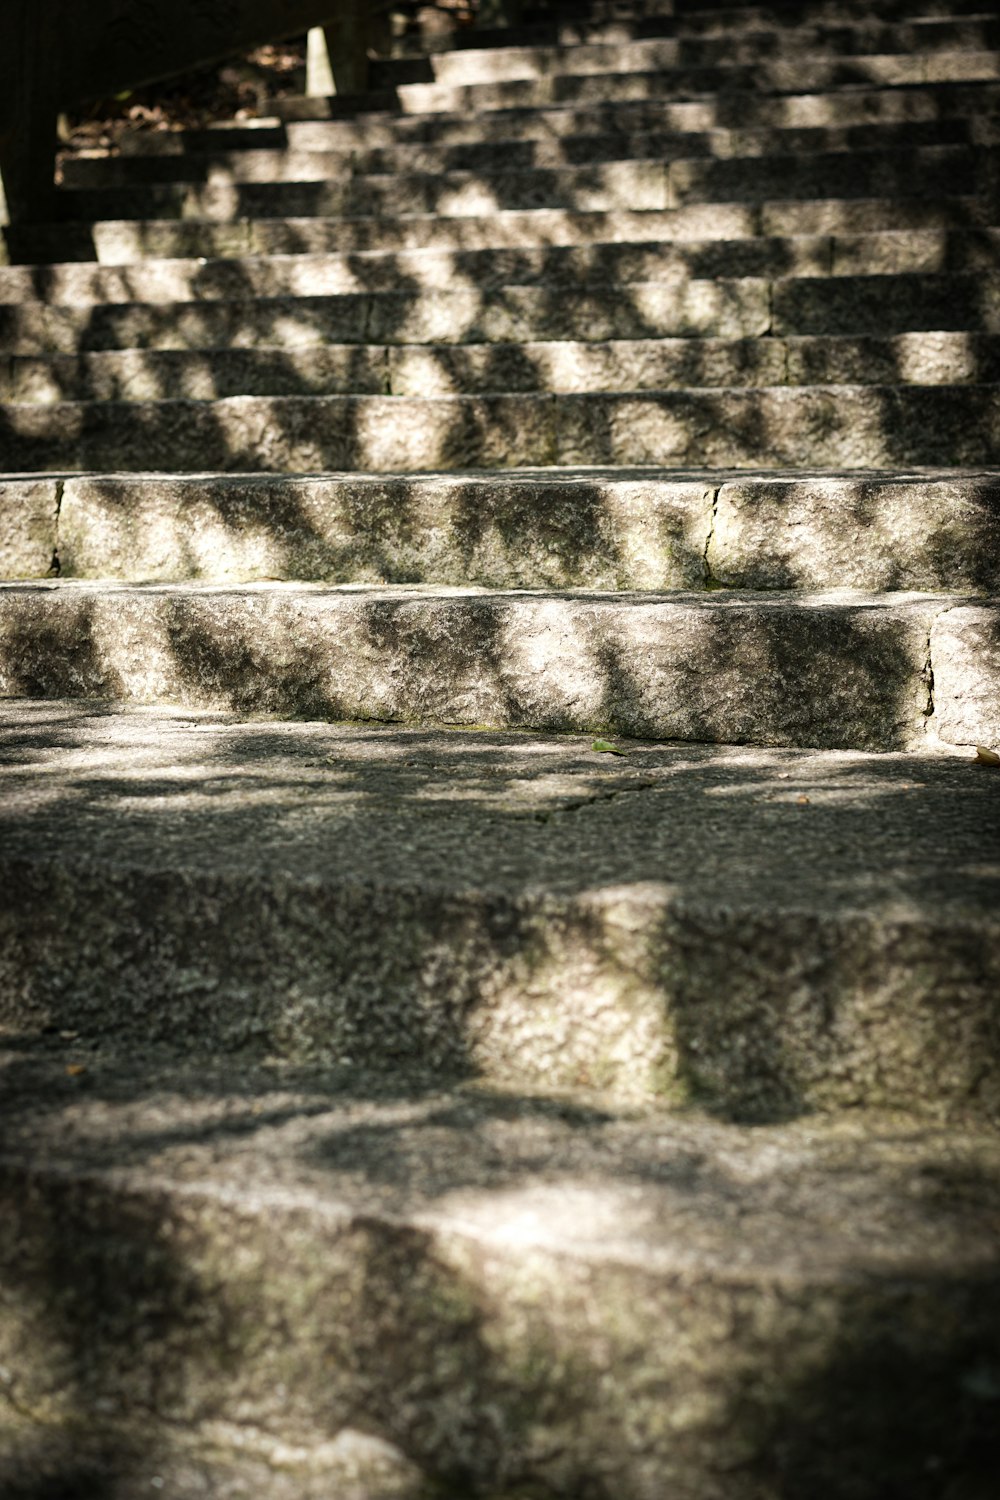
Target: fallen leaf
x,y
987,757
802,801
606,747
73,1070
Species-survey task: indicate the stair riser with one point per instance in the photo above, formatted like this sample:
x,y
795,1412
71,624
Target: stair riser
x,y
520,155
473,1356
642,992
770,76
580,57
122,242
740,309
490,369
325,124
929,250
751,670
847,427
311,276
622,184
736,309
584,532
770,33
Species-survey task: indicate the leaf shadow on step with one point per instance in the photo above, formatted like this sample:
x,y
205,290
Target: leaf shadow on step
x,y
654,967
454,1318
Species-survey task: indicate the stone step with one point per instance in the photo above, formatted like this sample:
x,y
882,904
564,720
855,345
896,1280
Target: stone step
x,y
746,307
604,529
759,932
128,242
291,164
603,187
730,309
425,1289
324,123
918,44
450,370
842,669
768,75
775,28
778,14
311,275
836,426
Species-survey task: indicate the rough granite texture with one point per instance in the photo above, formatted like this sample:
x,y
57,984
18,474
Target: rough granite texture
x,y
549,529
765,931
966,646
28,510
827,669
846,426
563,528
872,532
453,1292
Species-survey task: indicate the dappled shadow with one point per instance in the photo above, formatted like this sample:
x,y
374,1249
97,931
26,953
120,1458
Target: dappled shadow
x,y
495,904
271,1257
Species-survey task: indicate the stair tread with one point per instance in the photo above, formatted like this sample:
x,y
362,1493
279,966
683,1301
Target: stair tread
x,y
242,834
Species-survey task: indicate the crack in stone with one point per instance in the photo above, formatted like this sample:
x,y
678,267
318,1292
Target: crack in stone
x,y
706,566
55,566
928,668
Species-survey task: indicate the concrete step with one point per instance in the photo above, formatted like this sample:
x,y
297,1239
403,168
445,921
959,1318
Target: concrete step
x,y
603,187
414,1262
311,275
580,56
770,75
762,933
421,370
603,529
836,426
842,669
290,164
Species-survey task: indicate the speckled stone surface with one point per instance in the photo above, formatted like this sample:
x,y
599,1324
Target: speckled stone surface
x,y
837,669
766,930
480,1292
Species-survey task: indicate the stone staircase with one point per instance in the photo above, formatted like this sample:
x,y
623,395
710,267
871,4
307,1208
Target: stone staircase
x,y
499,940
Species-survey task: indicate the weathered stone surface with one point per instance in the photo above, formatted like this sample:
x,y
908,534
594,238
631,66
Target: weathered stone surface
x,y
798,426
886,304
306,1263
765,932
28,509
801,426
555,530
966,646
569,366
828,174
313,123
305,275
282,434
730,309
118,242
872,532
824,669
197,374
634,185
927,358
